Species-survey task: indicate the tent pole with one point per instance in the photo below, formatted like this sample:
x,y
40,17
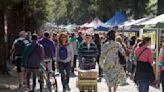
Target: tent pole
x,y
158,31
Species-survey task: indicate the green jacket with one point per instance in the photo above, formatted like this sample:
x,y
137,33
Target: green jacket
x,y
75,44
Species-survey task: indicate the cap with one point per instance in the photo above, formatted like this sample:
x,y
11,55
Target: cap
x,y
87,34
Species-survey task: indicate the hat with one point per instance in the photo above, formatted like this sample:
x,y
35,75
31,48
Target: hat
x,y
87,34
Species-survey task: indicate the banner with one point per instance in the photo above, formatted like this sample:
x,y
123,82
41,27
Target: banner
x,y
150,34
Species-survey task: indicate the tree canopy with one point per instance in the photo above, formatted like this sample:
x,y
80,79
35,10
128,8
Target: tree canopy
x,y
78,11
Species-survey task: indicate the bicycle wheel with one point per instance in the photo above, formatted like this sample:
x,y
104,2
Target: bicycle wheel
x,y
52,82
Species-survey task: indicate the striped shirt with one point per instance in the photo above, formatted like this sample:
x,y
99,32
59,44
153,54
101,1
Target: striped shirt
x,y
89,53
161,58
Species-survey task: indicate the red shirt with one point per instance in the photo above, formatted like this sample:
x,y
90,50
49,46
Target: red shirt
x,y
146,56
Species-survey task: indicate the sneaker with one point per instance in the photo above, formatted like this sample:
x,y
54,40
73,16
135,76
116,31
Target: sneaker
x,y
68,88
20,86
99,80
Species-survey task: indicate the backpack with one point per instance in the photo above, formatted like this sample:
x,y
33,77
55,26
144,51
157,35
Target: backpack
x,y
63,52
19,48
47,49
122,59
32,58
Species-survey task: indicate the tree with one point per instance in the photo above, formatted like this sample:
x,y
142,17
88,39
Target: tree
x,y
72,11
2,38
160,7
75,11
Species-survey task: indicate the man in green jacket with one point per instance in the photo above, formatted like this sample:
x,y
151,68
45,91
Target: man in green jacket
x,y
75,45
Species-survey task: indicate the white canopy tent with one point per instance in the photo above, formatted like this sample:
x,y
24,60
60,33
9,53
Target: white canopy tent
x,y
84,25
153,21
125,24
136,22
96,22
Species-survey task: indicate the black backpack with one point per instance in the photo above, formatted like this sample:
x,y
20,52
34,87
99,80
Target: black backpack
x,y
19,48
122,59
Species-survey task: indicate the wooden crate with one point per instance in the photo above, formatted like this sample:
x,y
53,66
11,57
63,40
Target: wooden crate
x,y
89,88
90,74
86,82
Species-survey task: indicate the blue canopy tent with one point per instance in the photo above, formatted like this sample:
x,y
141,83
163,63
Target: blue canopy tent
x,y
101,28
117,19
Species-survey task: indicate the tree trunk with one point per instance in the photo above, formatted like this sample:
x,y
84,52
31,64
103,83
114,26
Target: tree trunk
x,y
2,42
15,23
30,24
160,7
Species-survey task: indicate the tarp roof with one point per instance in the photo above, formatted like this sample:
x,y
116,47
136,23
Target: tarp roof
x,y
132,23
101,28
154,21
117,19
96,22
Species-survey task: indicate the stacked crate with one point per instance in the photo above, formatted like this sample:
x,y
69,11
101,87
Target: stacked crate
x,y
87,80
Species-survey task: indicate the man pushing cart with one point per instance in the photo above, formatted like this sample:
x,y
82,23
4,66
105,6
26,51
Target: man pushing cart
x,y
87,74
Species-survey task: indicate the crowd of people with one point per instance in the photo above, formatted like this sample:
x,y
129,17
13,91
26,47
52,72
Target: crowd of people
x,y
115,55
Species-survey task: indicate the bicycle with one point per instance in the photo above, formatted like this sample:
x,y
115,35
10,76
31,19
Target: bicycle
x,y
49,77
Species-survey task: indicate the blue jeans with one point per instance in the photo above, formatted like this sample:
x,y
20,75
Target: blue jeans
x,y
143,85
35,72
65,69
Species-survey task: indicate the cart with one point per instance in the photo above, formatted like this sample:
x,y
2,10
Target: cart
x,y
87,80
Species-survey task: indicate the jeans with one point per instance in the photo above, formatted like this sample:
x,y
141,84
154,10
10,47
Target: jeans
x,y
100,69
74,64
35,72
143,85
162,86
65,69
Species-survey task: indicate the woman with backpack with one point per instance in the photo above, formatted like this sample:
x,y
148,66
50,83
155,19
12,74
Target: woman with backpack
x,y
64,58
122,57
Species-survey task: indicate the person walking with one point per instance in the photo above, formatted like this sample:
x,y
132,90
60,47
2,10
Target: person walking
x,y
114,73
64,58
55,41
144,74
17,54
133,57
55,38
161,67
87,53
80,38
33,56
75,44
122,57
98,44
49,49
